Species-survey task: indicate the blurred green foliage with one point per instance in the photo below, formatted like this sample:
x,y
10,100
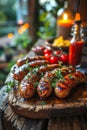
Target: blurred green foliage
x,y
4,73
7,13
2,17
47,23
5,30
8,10
48,17
10,64
23,41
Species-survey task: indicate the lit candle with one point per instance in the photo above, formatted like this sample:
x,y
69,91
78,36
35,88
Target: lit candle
x,y
64,26
65,21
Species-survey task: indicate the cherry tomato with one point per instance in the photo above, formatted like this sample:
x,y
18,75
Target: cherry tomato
x,y
47,51
47,56
58,52
54,59
64,58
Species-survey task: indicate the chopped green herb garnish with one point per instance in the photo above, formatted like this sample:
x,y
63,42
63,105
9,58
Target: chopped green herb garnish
x,y
70,76
36,84
53,84
29,68
32,73
36,67
28,76
27,61
60,63
10,84
43,103
55,80
59,74
42,74
58,77
8,88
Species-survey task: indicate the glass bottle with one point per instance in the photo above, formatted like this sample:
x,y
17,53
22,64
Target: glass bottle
x,y
75,49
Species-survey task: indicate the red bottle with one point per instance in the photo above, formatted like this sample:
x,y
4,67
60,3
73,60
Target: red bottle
x,y
75,49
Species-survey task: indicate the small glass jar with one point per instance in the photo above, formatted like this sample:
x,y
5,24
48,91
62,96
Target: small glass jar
x,y
75,49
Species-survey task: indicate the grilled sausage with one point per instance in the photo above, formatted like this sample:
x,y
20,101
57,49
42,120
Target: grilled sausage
x,y
23,70
29,83
23,61
44,88
63,88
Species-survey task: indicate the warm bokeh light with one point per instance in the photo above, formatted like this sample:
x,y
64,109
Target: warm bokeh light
x,y
20,31
77,17
65,16
20,21
10,35
23,28
26,25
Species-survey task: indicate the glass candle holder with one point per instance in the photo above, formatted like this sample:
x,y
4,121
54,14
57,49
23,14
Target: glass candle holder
x,y
64,22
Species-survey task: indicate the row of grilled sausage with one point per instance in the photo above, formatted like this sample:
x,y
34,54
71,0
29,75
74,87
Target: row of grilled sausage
x,y
37,75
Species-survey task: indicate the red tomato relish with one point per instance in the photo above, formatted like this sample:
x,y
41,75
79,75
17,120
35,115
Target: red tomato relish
x,y
75,52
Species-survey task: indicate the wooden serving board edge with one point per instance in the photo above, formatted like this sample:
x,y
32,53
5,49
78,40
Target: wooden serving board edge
x,y
48,110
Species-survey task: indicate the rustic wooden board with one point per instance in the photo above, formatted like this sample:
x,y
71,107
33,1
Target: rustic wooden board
x,y
68,123
12,121
75,104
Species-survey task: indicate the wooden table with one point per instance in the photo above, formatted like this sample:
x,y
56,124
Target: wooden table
x,y
11,121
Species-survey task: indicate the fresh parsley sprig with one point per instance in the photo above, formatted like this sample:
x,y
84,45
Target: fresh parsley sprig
x,y
59,74
57,78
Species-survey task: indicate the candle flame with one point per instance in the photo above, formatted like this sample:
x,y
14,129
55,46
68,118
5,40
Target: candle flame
x,y
65,16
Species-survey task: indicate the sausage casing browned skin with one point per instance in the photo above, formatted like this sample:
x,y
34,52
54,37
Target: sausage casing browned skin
x,y
23,61
44,88
70,81
23,70
29,83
